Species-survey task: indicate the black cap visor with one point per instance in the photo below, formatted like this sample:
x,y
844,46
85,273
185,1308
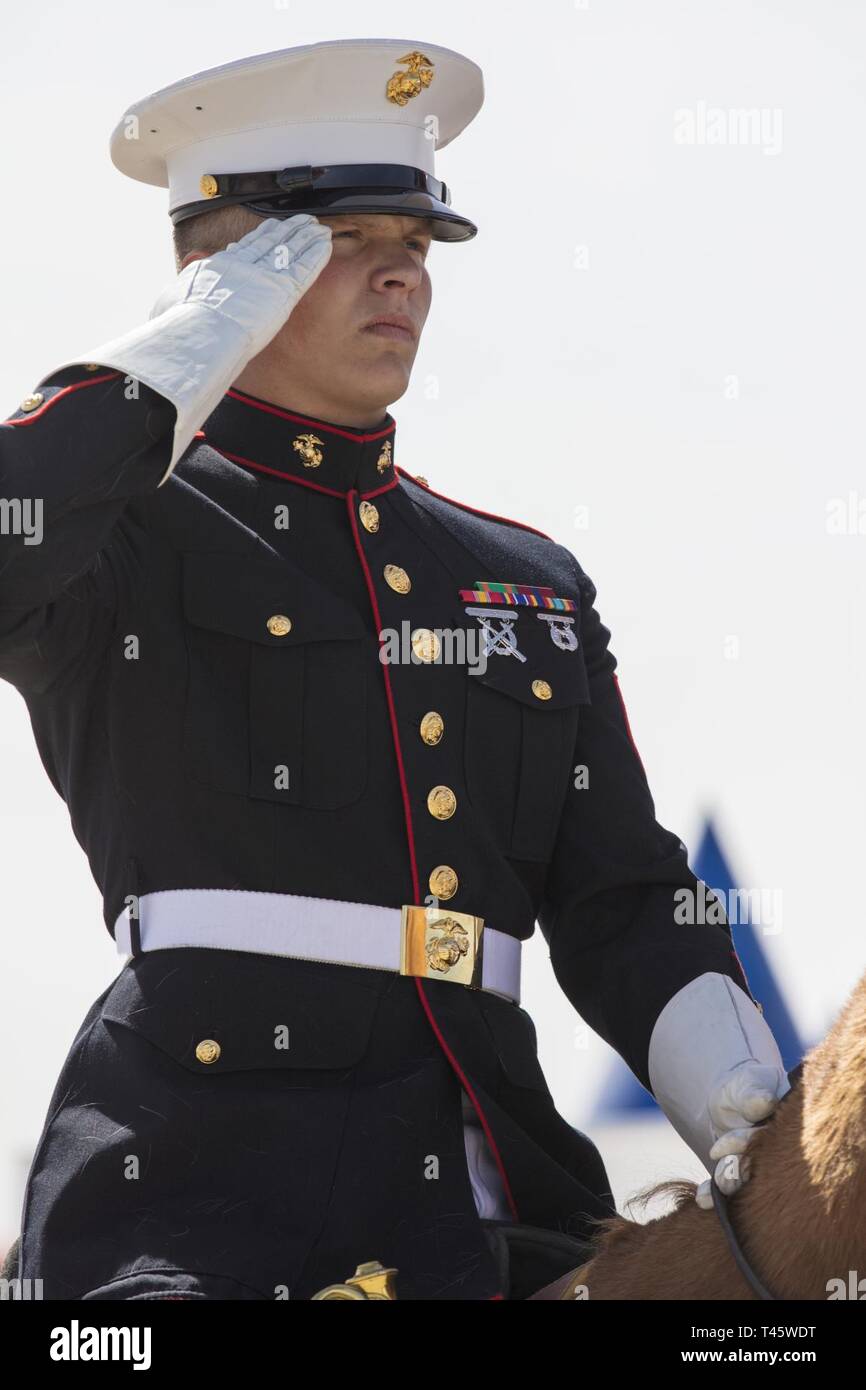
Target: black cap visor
x,y
360,188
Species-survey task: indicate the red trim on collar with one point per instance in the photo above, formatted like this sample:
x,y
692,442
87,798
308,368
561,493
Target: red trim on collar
x,y
491,516
308,420
290,477
64,391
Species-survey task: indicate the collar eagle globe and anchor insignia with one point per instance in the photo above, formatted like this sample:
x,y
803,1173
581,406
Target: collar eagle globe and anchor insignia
x,y
383,462
403,86
307,446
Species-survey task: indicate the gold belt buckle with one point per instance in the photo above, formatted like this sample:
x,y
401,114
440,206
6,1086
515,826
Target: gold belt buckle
x,y
441,945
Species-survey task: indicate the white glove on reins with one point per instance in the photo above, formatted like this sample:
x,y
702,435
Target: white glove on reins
x,y
715,1070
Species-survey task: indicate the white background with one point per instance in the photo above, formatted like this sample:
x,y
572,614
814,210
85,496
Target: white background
x,y
667,335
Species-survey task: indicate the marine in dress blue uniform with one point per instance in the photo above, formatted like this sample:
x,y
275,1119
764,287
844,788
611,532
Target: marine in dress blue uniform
x,y
319,864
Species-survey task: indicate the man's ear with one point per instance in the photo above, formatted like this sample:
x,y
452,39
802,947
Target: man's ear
x,y
191,256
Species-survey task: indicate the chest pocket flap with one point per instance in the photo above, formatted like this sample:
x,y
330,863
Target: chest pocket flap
x,y
522,712
276,704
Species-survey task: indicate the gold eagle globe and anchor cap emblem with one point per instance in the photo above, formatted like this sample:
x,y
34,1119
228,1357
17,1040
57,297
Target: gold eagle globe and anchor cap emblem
x,y
307,446
403,86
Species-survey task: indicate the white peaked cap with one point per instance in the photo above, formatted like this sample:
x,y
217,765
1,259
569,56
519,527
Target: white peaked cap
x,y
363,103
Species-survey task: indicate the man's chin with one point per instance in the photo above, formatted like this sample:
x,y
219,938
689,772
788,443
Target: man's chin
x,y
386,384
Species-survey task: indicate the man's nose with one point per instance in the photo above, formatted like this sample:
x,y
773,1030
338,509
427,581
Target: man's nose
x,y
398,268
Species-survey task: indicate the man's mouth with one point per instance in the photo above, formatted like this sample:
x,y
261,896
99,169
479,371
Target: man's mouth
x,y
392,326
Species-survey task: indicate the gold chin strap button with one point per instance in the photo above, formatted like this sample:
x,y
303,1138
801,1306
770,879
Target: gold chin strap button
x,y
207,1051
441,802
369,516
443,882
397,579
279,625
425,644
432,727
541,690
32,401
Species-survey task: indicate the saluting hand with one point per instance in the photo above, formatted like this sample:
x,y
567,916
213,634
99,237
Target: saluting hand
x,y
256,282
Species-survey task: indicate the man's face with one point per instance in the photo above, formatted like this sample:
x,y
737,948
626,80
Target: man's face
x,y
376,270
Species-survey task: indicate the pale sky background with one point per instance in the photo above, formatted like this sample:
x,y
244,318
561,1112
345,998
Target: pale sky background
x,y
668,335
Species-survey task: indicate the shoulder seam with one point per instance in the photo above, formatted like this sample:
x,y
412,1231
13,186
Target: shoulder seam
x,y
476,511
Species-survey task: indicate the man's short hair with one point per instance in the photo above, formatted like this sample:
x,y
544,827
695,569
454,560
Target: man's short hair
x,y
213,231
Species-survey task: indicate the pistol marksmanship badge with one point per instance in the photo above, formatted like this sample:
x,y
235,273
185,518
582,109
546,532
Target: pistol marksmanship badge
x,y
503,641
561,631
402,86
306,447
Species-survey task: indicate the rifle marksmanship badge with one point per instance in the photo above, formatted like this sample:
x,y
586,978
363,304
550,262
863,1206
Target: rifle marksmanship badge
x,y
502,639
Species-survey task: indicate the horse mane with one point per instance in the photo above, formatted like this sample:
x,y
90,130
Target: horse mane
x,y
621,1233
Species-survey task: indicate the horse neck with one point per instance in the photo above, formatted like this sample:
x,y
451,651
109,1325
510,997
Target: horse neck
x,y
807,1192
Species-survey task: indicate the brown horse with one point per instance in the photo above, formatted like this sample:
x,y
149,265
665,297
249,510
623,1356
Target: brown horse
x,y
800,1219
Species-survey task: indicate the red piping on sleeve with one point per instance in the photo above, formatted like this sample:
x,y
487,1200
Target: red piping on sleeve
x,y
742,971
407,812
64,391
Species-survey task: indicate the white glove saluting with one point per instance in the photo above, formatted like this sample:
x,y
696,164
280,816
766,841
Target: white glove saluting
x,y
716,1071
218,314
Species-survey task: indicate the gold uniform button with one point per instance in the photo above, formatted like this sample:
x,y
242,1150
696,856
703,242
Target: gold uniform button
x,y
422,481
425,644
369,516
207,1051
432,727
279,625
31,402
541,690
441,802
397,579
443,881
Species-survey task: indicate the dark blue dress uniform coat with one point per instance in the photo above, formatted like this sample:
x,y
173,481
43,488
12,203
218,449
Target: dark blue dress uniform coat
x,y
162,702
